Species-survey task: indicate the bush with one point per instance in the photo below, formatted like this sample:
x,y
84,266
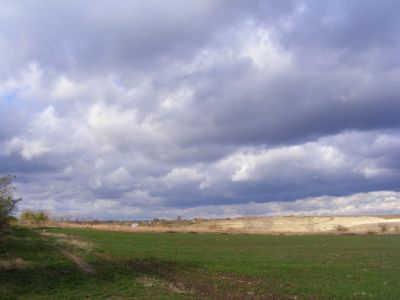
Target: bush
x,y
31,217
383,227
341,228
8,201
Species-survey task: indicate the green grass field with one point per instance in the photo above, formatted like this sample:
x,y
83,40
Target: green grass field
x,y
199,266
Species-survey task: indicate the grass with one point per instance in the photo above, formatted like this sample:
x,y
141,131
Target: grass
x,y
213,266
50,275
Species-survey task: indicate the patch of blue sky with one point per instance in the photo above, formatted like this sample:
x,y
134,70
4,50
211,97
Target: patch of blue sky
x,y
10,97
116,82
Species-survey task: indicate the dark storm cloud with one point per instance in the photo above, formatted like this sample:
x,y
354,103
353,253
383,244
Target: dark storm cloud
x,y
113,36
348,26
15,164
145,107
308,110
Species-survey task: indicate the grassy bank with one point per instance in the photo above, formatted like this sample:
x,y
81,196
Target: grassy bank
x,y
213,266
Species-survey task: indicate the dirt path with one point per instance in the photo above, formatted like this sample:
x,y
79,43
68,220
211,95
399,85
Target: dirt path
x,y
81,264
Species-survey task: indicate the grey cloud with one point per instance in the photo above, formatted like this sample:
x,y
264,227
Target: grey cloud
x,y
245,109
17,165
355,25
172,106
111,36
338,165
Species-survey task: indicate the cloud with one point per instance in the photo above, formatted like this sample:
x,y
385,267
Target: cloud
x,y
384,202
181,175
145,107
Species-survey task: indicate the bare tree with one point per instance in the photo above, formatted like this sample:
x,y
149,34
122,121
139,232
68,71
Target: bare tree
x,y
8,201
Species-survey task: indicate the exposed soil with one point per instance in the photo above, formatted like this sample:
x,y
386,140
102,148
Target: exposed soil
x,y
197,283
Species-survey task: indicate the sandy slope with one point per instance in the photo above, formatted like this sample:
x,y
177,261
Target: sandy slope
x,y
303,224
267,225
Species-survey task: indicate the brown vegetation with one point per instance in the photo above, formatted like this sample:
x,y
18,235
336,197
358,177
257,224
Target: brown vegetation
x,y
383,227
14,264
257,225
341,228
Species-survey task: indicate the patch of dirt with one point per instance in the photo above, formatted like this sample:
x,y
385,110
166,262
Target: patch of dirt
x,y
14,264
228,286
196,283
201,284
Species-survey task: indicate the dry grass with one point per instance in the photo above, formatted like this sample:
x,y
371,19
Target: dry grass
x,y
153,282
55,235
75,243
14,264
66,240
124,228
256,225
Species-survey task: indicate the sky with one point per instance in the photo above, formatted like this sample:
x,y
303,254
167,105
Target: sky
x,y
157,109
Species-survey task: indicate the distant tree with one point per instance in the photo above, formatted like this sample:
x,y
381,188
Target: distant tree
x,y
8,201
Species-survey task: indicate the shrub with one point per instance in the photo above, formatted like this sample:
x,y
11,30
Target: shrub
x,y
31,217
383,227
341,228
41,217
27,215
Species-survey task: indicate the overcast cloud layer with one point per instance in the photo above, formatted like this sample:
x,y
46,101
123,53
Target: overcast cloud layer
x,y
143,109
